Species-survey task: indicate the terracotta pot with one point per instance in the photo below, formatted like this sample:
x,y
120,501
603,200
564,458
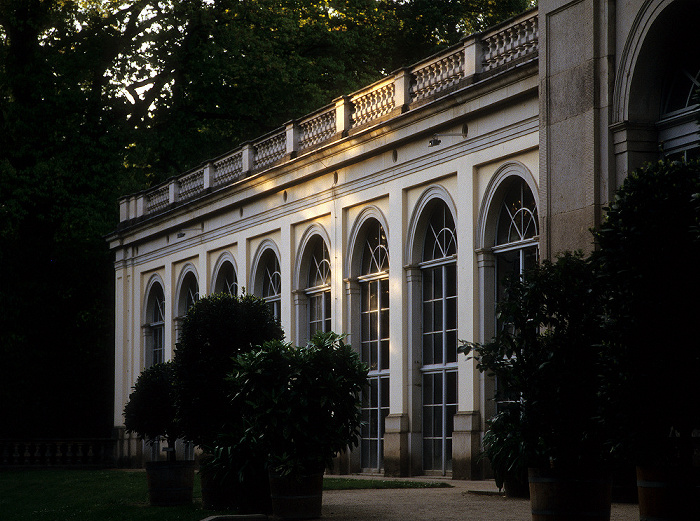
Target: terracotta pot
x,y
569,496
170,483
668,494
296,496
250,497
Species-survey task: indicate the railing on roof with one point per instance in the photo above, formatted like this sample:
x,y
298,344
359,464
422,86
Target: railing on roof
x,y
487,52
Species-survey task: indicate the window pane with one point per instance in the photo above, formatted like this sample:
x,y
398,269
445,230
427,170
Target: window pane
x,y
450,280
451,313
428,357
427,284
437,283
384,326
437,348
450,347
384,362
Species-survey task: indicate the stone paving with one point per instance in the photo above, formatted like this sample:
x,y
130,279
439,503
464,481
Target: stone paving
x,y
465,501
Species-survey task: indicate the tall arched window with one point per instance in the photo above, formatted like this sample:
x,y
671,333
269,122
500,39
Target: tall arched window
x,y
271,281
187,296
517,232
155,325
374,342
226,280
439,368
678,123
318,287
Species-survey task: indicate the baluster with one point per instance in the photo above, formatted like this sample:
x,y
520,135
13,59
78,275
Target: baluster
x,y
37,454
59,452
90,454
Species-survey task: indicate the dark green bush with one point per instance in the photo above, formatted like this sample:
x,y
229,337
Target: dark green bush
x,y
150,411
216,329
546,360
650,258
301,403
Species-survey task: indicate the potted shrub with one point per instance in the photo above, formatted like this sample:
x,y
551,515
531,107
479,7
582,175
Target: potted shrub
x,y
649,256
216,329
503,447
546,359
303,404
150,413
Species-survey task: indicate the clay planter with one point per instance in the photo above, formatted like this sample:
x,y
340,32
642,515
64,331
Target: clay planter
x,y
250,497
668,494
569,496
170,482
296,496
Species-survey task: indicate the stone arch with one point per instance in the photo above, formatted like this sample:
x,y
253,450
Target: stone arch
x,y
267,246
224,258
304,253
183,300
358,234
490,204
419,220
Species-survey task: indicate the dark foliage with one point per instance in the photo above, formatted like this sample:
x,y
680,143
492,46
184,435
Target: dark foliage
x,y
649,256
150,411
546,359
216,329
302,404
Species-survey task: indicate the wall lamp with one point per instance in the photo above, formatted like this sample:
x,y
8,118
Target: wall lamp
x,y
183,232
435,141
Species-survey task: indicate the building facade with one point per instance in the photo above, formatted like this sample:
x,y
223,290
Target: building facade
x,y
392,214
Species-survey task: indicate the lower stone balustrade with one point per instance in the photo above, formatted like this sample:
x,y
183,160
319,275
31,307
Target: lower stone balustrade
x,y
57,453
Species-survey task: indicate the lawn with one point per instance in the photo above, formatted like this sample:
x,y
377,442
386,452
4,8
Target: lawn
x,y
115,495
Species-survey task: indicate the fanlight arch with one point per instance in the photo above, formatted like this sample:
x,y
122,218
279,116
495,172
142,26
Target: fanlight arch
x,y
225,275
266,278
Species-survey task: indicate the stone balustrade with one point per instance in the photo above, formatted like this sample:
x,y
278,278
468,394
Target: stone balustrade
x,y
491,52
57,453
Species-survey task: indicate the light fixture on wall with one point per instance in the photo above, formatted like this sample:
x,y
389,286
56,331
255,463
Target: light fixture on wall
x,y
435,140
184,231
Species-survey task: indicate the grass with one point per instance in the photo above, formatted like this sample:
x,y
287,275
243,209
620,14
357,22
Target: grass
x,y
116,495
358,483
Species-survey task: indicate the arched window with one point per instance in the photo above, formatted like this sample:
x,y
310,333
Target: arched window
x,y
226,280
374,341
187,296
318,287
155,325
517,232
271,281
680,109
439,335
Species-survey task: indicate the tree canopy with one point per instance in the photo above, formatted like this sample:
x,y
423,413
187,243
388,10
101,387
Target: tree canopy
x,y
99,98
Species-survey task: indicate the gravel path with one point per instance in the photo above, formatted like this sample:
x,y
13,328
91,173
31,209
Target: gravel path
x,y
459,503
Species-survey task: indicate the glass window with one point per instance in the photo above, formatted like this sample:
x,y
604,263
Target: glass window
x,y
516,248
226,280
318,289
439,332
374,343
189,294
271,282
155,326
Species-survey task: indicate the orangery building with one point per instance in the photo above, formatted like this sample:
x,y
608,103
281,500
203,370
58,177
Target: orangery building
x,y
393,213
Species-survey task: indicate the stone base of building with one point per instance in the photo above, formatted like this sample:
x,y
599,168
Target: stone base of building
x,y
466,446
397,455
